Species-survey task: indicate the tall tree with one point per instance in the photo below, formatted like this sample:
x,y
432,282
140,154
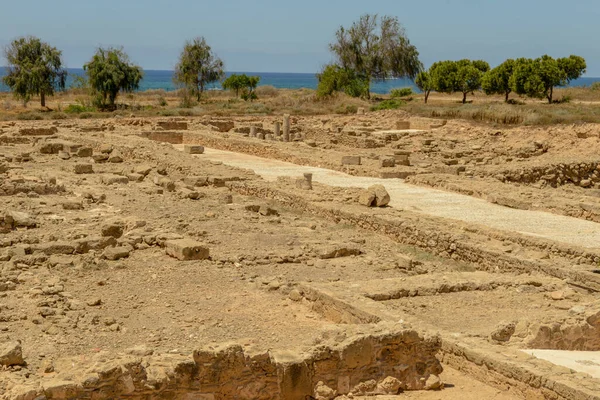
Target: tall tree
x,y
497,80
242,83
109,72
538,78
462,76
198,66
376,48
34,68
424,83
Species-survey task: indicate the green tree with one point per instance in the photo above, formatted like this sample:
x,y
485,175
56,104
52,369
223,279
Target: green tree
x,y
34,68
109,72
538,78
334,78
244,84
497,80
198,66
234,83
462,76
376,48
424,83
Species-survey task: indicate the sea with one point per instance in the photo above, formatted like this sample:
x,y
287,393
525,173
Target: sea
x,y
160,79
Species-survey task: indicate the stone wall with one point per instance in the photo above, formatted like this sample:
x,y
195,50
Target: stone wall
x,y
230,373
429,235
584,174
172,137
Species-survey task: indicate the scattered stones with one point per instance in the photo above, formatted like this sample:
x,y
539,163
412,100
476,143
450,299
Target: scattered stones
x,y
267,211
186,249
100,158
115,158
165,183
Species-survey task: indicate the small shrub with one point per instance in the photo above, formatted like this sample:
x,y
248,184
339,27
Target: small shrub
x,y
77,109
59,115
392,104
267,91
85,115
29,116
595,86
346,109
563,100
401,92
186,113
167,113
161,101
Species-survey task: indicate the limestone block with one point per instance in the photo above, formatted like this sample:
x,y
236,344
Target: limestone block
x,y
186,249
193,149
351,160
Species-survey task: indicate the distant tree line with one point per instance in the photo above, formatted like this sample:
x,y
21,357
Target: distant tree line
x,y
36,69
372,48
534,78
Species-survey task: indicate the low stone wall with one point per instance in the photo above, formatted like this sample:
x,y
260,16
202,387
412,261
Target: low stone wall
x,y
172,137
230,373
431,236
584,174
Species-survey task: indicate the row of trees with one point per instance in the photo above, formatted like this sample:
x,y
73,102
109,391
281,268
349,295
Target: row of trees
x,y
36,69
535,78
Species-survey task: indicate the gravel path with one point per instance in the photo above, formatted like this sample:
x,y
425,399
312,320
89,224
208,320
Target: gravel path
x,y
431,201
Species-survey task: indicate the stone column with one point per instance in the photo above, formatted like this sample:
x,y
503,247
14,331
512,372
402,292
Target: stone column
x,y
252,131
277,129
286,128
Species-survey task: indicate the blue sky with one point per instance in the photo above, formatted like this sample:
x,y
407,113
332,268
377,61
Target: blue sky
x,y
283,36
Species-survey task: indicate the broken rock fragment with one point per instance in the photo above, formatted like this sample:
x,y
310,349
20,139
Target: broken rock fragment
x,y
374,196
186,249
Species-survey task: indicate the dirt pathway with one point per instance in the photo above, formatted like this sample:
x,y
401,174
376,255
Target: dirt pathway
x,y
431,201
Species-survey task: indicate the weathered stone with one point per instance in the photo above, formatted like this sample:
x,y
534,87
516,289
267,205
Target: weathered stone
x,y
116,253
388,162
503,331
193,149
115,159
196,181
113,228
48,131
390,385
172,125
111,179
339,251
165,183
85,152
267,211
286,128
11,354
20,219
374,196
186,249
72,205
351,160
63,155
59,247
84,169
305,182
226,198
100,158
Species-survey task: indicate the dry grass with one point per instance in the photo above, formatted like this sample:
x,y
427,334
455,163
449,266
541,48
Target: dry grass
x,y
584,106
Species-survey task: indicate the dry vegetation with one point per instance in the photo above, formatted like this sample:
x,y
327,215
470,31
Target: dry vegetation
x,y
579,105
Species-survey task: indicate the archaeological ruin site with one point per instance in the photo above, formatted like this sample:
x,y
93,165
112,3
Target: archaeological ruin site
x,y
368,256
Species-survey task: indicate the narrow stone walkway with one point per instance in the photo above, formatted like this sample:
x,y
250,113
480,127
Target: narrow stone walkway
x,y
429,201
